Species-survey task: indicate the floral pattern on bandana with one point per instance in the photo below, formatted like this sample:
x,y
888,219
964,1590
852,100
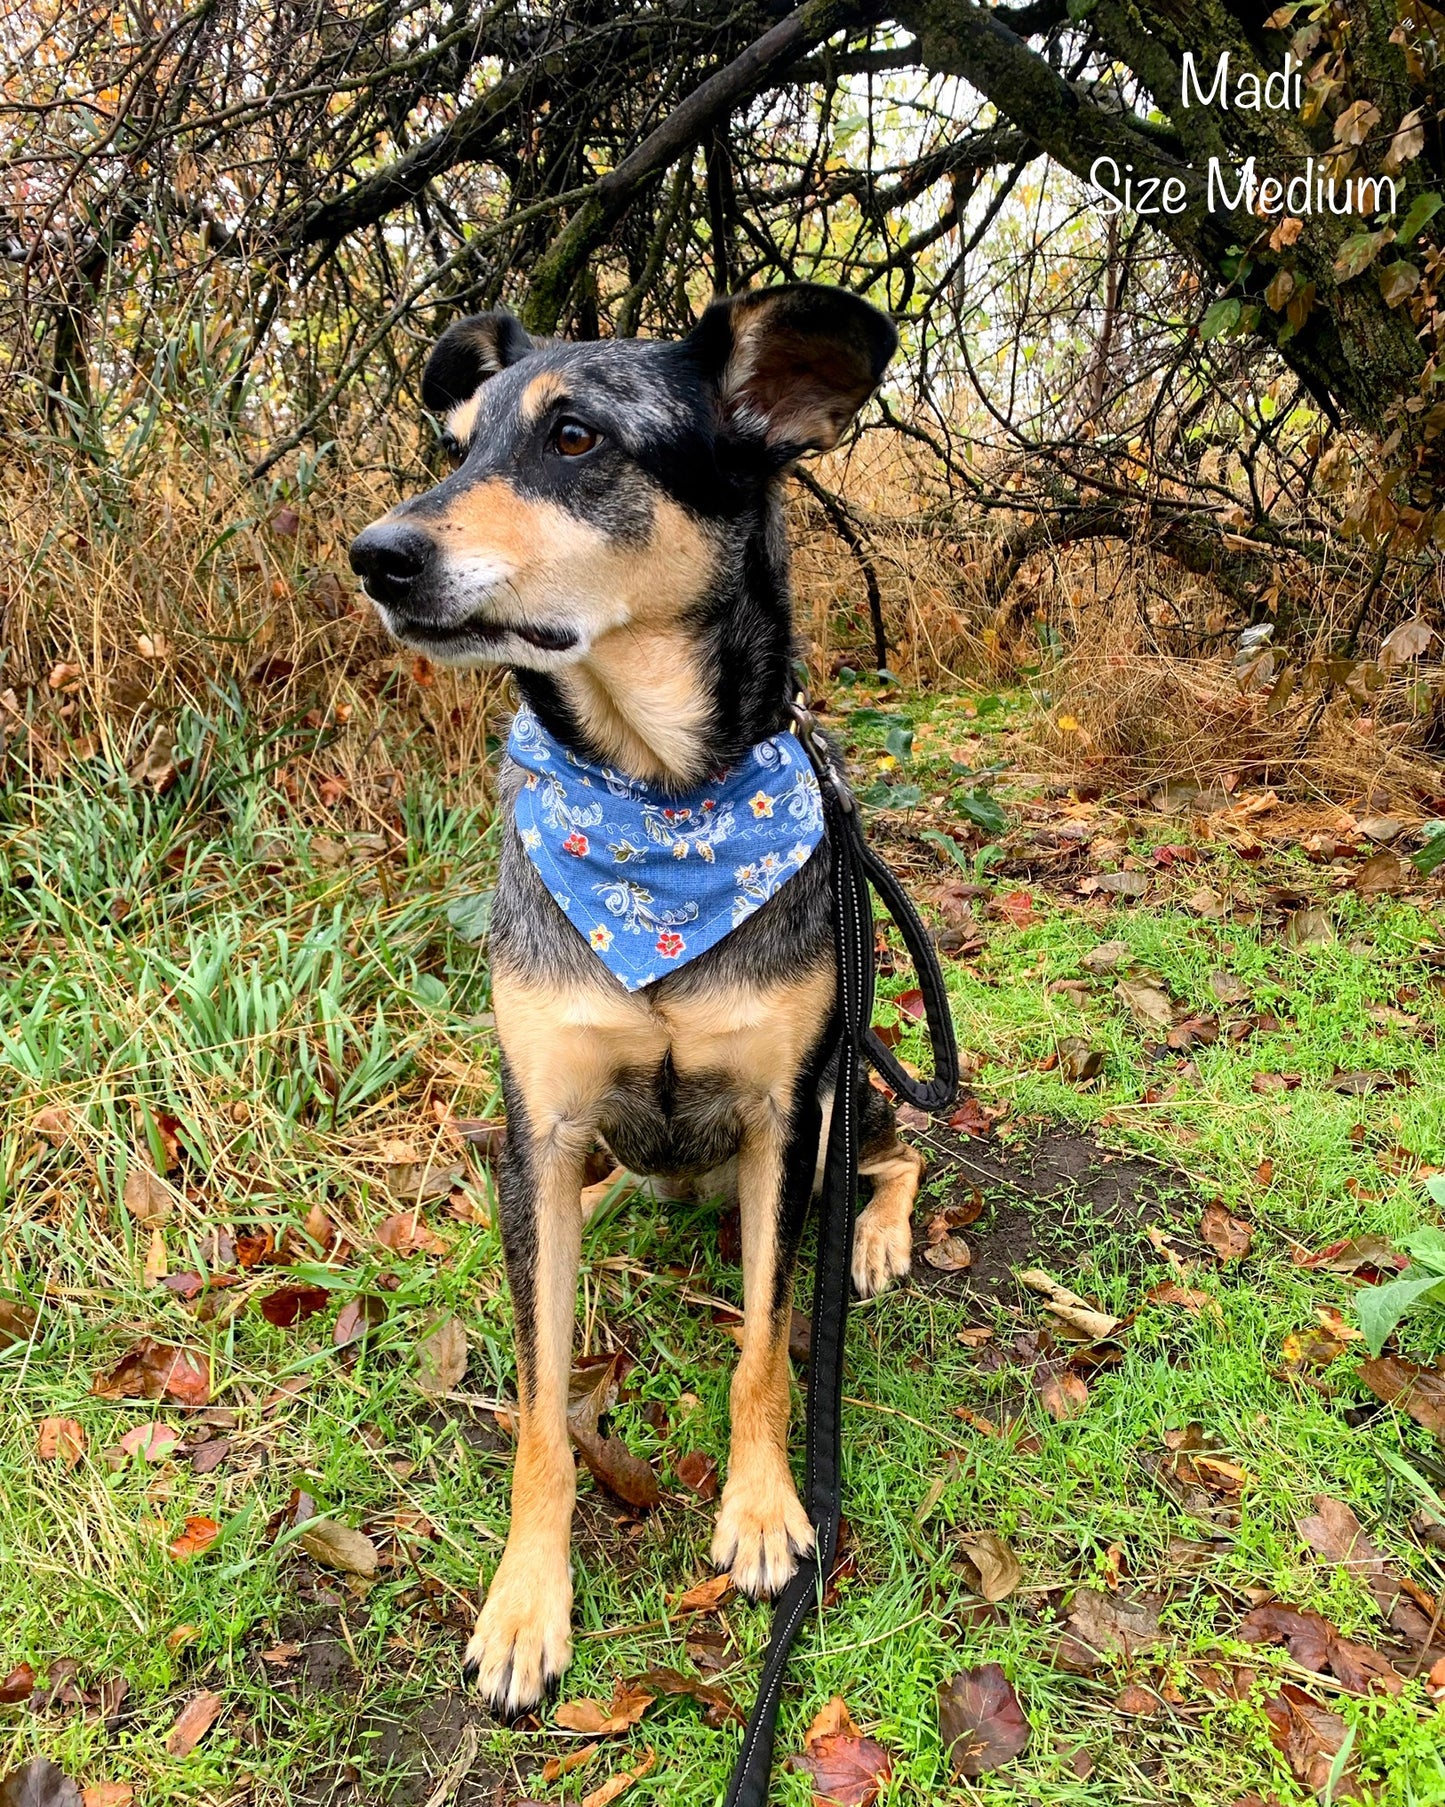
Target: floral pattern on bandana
x,y
651,880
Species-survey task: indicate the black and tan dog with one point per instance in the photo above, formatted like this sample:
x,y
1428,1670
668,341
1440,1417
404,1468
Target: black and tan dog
x,y
613,532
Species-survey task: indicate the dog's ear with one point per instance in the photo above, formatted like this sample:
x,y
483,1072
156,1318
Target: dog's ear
x,y
793,365
467,353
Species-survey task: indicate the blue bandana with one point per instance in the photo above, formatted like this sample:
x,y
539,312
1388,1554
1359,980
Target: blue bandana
x,y
654,880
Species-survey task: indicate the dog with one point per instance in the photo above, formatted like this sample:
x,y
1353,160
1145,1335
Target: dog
x,y
613,532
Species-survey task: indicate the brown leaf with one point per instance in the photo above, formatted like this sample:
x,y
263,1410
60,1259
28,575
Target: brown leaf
x,y
1137,1702
1190,1298
289,1305
1369,1256
1079,1060
950,1256
995,1568
356,1318
441,1356
338,1546
487,1138
556,1767
405,1233
721,1707
1315,1644
698,1472
971,1119
629,1703
60,1440
153,1370
39,1783
199,1535
707,1596
154,1442
1102,1626
195,1719
981,1720
1062,1393
209,1455
1229,1237
620,1783
1149,1005
146,1195
611,1462
1416,1390
17,1323
1382,875
1336,1534
592,1391
848,1770
910,1004
1105,956
18,1685
108,1794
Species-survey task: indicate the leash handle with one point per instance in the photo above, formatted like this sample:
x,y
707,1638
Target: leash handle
x,y
854,868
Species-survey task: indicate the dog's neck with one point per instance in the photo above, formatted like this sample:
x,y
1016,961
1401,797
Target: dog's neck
x,y
672,701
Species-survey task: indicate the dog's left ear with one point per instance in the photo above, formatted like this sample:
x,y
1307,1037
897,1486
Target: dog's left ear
x,y
793,365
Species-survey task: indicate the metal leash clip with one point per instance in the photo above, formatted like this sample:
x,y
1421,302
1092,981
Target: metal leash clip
x,y
819,750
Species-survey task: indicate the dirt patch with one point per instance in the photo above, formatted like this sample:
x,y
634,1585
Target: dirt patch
x,y
413,1754
1053,1200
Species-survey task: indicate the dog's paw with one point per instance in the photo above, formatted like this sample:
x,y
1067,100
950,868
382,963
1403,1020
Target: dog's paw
x,y
523,1639
882,1247
761,1532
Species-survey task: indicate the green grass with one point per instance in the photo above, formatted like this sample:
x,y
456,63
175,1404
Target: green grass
x,y
203,964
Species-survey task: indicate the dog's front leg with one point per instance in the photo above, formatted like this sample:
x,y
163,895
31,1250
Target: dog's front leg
x,y
523,1638
762,1528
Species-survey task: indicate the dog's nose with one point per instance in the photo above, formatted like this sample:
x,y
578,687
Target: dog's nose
x,y
391,560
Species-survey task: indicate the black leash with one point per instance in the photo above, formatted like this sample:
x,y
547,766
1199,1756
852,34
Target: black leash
x,y
855,868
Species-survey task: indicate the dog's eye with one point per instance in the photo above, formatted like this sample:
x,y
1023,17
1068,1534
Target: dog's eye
x,y
454,450
572,439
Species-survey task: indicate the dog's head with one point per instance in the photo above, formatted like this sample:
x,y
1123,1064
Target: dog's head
x,y
594,482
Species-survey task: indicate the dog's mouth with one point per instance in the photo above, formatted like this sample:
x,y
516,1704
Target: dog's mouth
x,y
476,632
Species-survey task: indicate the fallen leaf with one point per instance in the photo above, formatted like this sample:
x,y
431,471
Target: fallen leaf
x,y
146,1195
1189,1298
39,1783
1138,1702
60,1440
441,1356
620,1783
356,1318
17,1323
1079,1061
1148,1003
951,1255
1104,1626
707,1596
108,1794
1305,929
1016,907
18,1685
623,1474
405,1233
1229,1237
556,1767
996,1571
699,1473
1062,1393
153,1370
154,1442
290,1305
1307,1735
1366,1255
721,1707
338,1546
199,1535
848,1770
209,1455
1072,1311
1227,989
195,1719
971,1119
1382,875
1315,1644
981,1721
1416,1390
629,1702
1105,956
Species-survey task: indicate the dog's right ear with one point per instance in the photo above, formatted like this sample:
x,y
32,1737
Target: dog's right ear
x,y
467,353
